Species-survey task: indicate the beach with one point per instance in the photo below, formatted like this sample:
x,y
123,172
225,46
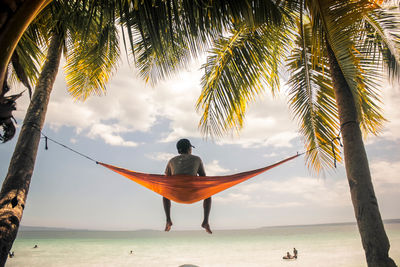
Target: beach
x,y
318,245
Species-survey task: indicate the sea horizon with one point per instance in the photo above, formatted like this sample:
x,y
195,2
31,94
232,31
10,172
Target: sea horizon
x,y
51,228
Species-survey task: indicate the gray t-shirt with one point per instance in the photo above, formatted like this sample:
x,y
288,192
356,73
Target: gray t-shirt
x,y
185,164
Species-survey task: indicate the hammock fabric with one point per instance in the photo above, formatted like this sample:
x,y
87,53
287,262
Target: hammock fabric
x,y
189,189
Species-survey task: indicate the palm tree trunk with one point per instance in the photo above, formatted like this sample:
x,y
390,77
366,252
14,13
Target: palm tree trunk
x,y
16,184
370,225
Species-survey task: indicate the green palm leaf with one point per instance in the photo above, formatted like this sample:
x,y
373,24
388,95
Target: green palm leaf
x,y
381,38
167,34
339,22
312,100
28,55
91,60
238,70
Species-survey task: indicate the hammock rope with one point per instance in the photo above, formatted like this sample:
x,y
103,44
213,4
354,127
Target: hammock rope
x,y
185,188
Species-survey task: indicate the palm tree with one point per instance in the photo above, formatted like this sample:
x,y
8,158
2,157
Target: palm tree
x,y
15,17
350,40
91,49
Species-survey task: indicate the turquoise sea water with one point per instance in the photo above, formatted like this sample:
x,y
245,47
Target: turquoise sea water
x,y
319,245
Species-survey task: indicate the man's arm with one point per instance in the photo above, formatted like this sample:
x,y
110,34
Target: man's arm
x,y
201,170
168,171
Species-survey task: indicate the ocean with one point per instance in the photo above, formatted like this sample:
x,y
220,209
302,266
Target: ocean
x,y
318,245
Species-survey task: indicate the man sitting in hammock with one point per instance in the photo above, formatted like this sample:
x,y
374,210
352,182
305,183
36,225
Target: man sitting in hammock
x,y
188,164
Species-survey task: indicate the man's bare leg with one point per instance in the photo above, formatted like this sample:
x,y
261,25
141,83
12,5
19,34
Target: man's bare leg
x,y
207,208
167,209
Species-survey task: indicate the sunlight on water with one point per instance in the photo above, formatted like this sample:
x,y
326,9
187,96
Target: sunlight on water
x,y
331,245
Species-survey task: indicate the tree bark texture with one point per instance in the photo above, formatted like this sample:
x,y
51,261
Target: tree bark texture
x,y
373,236
16,184
15,17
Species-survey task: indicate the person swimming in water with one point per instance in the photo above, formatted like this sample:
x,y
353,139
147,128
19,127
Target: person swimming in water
x,y
288,256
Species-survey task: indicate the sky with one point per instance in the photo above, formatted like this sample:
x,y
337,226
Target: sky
x,y
136,126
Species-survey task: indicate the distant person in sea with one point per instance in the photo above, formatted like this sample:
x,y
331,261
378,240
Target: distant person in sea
x,y
186,163
295,253
131,251
36,246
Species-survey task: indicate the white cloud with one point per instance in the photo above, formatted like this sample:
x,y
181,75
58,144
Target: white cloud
x,y
109,133
160,156
270,155
385,176
303,191
127,107
293,192
286,204
391,102
213,168
268,123
177,99
232,197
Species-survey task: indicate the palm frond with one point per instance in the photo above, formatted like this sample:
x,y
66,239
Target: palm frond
x,y
167,34
382,38
28,55
238,70
312,101
153,66
91,60
339,21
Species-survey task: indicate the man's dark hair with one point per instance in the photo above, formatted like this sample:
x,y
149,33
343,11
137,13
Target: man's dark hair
x,y
183,146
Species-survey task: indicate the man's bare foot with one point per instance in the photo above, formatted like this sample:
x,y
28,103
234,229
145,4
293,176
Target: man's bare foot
x,y
168,226
207,227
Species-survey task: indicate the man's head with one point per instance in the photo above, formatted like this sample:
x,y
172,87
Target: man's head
x,y
184,146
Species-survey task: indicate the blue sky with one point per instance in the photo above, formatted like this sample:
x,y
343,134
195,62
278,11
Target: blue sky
x,y
136,126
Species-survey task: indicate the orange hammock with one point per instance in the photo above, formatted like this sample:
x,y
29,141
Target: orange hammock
x,y
186,188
